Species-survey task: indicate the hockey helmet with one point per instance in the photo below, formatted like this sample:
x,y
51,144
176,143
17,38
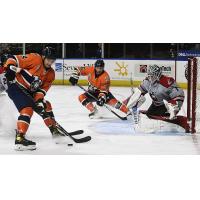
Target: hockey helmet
x,y
49,52
99,63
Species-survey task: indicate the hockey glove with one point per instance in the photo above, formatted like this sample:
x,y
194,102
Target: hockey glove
x,y
74,77
101,100
35,84
40,106
34,81
172,108
11,72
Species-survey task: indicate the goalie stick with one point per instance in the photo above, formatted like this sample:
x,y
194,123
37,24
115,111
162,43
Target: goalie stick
x,y
179,120
66,133
122,118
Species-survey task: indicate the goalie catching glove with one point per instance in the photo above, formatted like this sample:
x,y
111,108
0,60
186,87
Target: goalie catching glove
x,y
74,77
172,107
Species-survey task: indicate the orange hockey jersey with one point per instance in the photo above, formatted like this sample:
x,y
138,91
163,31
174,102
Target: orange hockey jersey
x,y
101,82
33,64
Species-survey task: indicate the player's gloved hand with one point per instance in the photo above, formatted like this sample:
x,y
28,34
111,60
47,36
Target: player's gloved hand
x,y
40,106
101,100
74,77
11,72
35,84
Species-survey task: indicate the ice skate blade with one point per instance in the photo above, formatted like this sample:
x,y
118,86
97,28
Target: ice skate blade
x,y
20,147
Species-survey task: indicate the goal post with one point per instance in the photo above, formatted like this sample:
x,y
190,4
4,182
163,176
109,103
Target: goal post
x,y
193,93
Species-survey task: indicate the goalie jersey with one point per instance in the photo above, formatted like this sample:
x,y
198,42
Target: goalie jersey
x,y
164,89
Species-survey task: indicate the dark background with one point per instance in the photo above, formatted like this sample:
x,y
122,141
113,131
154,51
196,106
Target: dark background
x,y
111,50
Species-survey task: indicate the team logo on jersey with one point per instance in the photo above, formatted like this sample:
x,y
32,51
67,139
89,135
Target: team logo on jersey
x,y
122,69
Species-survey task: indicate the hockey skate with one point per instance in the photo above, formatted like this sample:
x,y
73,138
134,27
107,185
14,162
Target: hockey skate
x,y
22,144
59,137
94,114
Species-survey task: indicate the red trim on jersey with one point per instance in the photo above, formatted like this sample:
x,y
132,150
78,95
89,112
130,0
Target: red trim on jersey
x,y
166,81
1,70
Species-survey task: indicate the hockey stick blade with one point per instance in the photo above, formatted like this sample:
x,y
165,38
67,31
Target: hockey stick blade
x,y
122,118
78,132
82,140
77,140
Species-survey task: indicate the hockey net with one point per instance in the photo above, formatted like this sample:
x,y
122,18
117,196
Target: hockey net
x,y
193,94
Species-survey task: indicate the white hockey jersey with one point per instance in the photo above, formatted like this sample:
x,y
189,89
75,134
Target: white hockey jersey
x,y
164,89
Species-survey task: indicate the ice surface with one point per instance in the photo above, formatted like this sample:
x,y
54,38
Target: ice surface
x,y
110,135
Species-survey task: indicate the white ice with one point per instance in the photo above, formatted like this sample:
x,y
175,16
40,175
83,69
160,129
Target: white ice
x,y
110,135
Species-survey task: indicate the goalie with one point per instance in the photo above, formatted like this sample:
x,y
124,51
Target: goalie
x,y
167,98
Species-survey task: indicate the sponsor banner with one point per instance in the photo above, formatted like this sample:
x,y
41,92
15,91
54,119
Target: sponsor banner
x,y
188,53
141,67
58,67
117,69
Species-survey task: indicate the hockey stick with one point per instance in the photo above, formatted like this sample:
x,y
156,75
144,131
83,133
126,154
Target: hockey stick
x,y
80,140
122,118
179,120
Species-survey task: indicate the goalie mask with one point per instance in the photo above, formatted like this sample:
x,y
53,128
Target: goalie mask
x,y
154,73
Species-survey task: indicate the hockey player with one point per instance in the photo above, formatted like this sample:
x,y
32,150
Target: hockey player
x,y
99,84
167,97
31,73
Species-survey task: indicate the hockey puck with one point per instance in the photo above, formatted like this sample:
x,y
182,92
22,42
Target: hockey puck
x,y
70,145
